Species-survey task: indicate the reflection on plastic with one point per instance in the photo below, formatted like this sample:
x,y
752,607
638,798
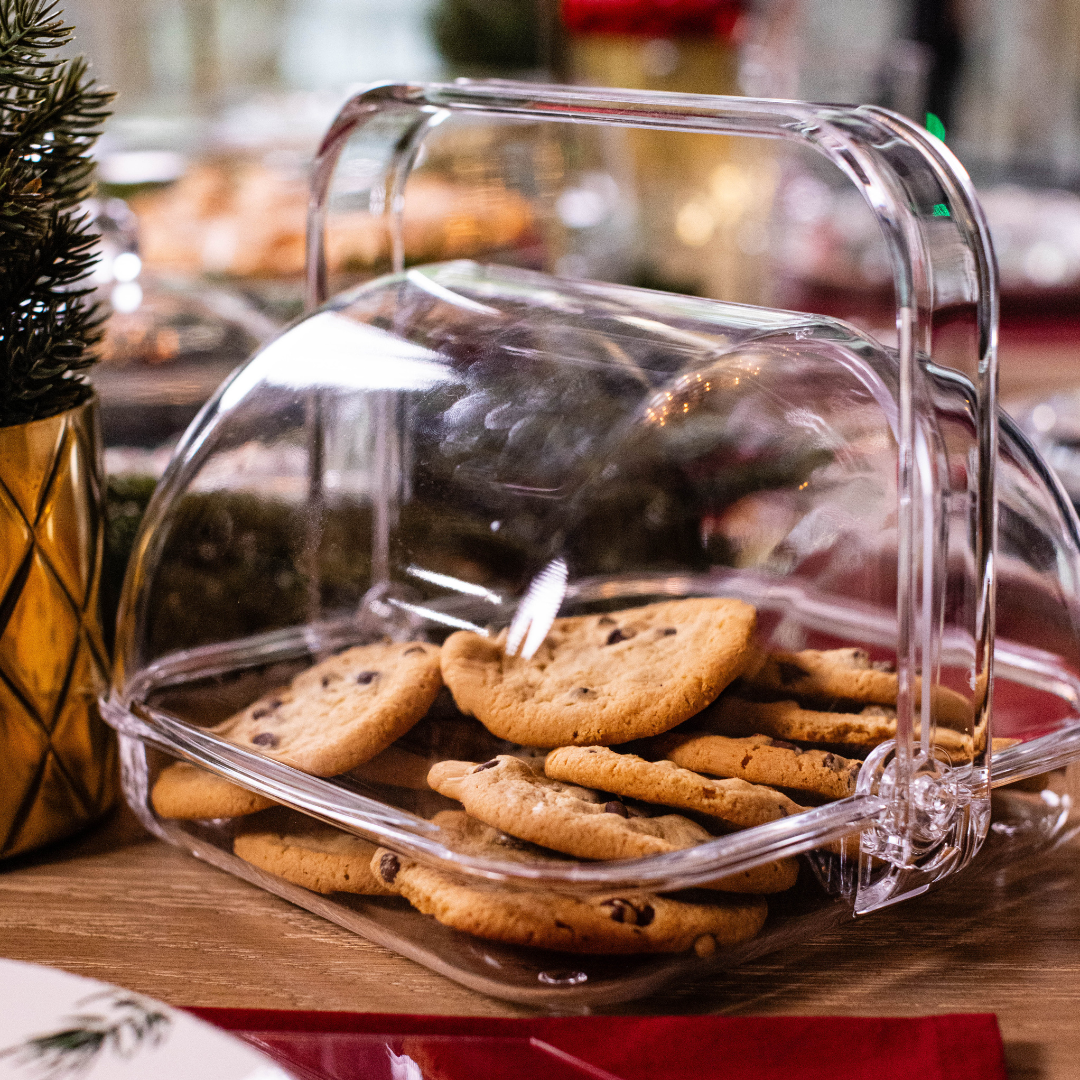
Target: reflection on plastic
x,y
376,1056
402,1067
537,611
342,354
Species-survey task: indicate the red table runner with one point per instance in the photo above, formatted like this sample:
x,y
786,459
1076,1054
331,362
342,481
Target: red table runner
x,y
351,1046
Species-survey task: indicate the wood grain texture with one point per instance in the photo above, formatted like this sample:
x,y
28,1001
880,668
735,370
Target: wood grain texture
x,y
121,906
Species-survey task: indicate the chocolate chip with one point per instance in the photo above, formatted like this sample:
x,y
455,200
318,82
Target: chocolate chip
x,y
831,761
366,677
784,745
415,648
616,807
487,765
325,681
605,620
668,631
582,691
617,635
617,910
276,703
620,910
389,865
789,673
258,714
265,738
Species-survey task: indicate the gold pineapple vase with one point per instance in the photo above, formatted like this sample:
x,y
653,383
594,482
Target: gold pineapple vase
x,y
57,757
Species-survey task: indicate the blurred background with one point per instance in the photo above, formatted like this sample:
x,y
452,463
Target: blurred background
x,y
203,170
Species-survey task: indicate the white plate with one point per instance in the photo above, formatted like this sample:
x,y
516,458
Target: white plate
x,y
58,1026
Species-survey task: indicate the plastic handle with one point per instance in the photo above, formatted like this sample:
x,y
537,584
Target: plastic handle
x,y
941,256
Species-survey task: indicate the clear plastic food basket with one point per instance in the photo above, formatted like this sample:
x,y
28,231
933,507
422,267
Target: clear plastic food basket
x,y
459,447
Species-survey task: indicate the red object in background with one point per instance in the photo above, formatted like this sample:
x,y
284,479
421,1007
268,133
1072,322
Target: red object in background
x,y
346,1046
652,18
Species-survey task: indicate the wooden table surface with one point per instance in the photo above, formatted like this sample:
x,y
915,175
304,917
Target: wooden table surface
x,y
121,906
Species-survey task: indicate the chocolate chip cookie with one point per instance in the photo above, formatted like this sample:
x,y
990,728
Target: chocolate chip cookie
x,y
316,856
738,804
817,677
622,924
603,679
760,759
508,795
397,767
463,833
343,711
789,721
185,791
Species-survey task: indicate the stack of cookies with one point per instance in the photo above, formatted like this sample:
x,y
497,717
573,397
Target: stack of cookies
x,y
628,734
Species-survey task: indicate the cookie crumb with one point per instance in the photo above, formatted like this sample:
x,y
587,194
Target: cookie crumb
x,y
705,945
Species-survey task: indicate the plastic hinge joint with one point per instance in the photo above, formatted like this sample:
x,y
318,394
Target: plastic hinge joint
x,y
924,833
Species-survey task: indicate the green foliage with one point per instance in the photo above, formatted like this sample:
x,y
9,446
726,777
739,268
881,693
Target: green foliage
x,y
501,34
126,499
51,113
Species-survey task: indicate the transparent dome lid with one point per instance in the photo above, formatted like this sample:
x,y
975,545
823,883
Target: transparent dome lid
x,y
480,450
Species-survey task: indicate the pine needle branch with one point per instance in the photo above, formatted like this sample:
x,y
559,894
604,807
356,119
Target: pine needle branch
x,y
51,112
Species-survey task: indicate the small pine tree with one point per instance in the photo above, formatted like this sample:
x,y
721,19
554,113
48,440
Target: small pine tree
x,y
51,112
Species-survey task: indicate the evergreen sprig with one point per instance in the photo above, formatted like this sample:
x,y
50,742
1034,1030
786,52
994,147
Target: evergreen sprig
x,y
51,112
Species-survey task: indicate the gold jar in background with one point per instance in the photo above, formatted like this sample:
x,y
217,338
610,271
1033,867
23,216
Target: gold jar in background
x,y
57,757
